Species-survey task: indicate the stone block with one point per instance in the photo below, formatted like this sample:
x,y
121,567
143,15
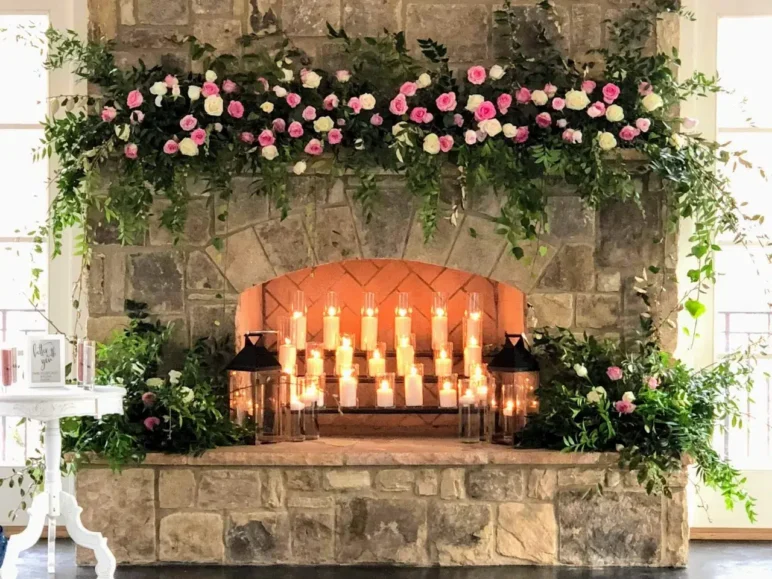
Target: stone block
x,y
427,483
122,508
176,489
103,328
243,260
524,273
286,244
244,206
106,282
216,320
626,237
384,236
580,477
273,489
102,19
441,22
552,310
126,8
542,484
452,484
675,549
597,311
395,480
528,532
191,538
305,502
572,269
370,17
586,30
570,219
381,531
167,12
478,247
609,281
333,235
496,484
609,529
138,38
212,7
303,18
222,33
313,537
229,489
258,537
346,480
437,249
197,224
201,273
156,279
304,479
461,533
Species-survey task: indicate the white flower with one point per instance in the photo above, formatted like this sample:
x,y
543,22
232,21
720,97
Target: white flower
x,y
218,127
651,102
423,81
280,91
266,107
323,124
539,98
159,100
367,101
400,131
510,130
154,382
580,370
615,113
194,92
620,447
188,147
213,105
496,72
123,132
176,91
491,127
628,397
595,395
432,144
678,141
299,168
689,123
210,76
561,123
577,137
474,101
288,74
187,395
607,141
577,100
311,79
159,88
174,377
359,145
270,152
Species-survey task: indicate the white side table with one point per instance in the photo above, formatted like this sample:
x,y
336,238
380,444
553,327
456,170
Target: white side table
x,y
49,405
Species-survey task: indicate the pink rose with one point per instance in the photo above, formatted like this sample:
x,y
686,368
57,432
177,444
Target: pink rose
x,y
171,81
137,117
558,104
470,137
645,88
550,89
266,137
417,114
198,136
568,135
588,86
446,102
485,111
314,147
597,109
408,89
148,398
446,143
652,383
376,120
109,114
522,134
295,130
544,120
293,99
343,75
151,423
690,123
561,123
330,102
628,133
236,109
210,89
279,126
134,99
264,82
188,123
523,96
247,137
130,151
458,120
335,136
476,75
171,147
398,105
354,104
643,125
503,102
228,86
624,407
610,93
428,118
614,373
309,113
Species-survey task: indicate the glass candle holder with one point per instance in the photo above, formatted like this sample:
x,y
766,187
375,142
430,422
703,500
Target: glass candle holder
x,y
376,361
472,355
319,383
443,360
273,399
468,414
369,323
384,393
403,322
331,321
310,397
7,355
347,388
508,421
288,354
89,364
344,355
314,359
473,318
447,391
439,321
299,321
414,386
295,420
405,354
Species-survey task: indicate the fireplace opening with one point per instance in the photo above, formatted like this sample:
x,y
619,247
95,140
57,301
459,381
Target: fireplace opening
x,y
269,305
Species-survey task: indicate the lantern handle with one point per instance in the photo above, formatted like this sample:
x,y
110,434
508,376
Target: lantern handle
x,y
258,334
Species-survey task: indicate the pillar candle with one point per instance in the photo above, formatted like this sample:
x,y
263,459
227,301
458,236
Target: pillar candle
x,y
447,395
385,395
443,365
474,326
369,330
439,329
468,399
310,396
7,367
347,385
331,329
509,409
315,364
344,355
288,354
402,325
299,329
296,405
414,388
376,365
472,355
405,355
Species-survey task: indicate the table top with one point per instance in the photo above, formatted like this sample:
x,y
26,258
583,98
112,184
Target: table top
x,y
64,393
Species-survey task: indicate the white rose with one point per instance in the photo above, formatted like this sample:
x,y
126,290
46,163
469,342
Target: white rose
x,y
577,137
287,74
194,92
270,152
188,147
218,127
678,141
615,113
213,105
580,370
266,107
607,141
367,101
323,124
539,98
577,100
510,130
176,91
432,144
474,101
491,127
154,382
159,101
424,80
593,397
651,102
280,91
311,79
299,168
210,76
159,88
174,377
359,145
496,72
620,447
628,397
187,395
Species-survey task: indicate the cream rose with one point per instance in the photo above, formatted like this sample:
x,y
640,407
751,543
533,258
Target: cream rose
x,y
280,91
652,102
299,168
266,107
423,80
194,92
159,88
615,113
474,101
539,98
577,100
491,127
323,124
496,72
270,152
210,76
311,79
287,74
432,144
213,105
367,101
510,130
678,141
607,141
188,147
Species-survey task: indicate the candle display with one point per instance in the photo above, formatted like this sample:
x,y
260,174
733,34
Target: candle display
x,y
299,321
405,354
443,360
310,395
344,355
472,355
369,337
439,321
468,399
473,318
286,347
318,384
376,363
448,392
385,393
331,321
509,409
347,388
478,381
314,360
414,386
402,321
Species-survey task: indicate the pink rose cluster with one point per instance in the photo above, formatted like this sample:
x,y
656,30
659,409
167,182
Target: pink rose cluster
x,y
624,407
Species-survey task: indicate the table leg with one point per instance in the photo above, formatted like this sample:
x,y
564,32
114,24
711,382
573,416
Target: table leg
x,y
27,538
51,545
105,567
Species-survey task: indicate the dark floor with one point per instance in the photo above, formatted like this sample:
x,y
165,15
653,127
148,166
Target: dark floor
x,y
707,561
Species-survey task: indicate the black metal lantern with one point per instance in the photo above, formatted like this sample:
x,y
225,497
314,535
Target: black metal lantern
x,y
516,372
258,398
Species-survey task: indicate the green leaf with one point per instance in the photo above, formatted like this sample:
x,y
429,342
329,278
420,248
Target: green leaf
x,y
695,308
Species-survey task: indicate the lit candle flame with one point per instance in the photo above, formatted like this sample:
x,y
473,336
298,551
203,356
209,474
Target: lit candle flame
x,y
287,341
346,342
297,315
311,391
347,372
472,341
439,312
443,354
447,385
376,355
413,370
289,370
385,385
331,311
370,312
510,405
315,354
475,316
404,341
468,392
402,312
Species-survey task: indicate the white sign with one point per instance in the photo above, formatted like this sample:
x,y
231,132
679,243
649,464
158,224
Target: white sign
x,y
45,361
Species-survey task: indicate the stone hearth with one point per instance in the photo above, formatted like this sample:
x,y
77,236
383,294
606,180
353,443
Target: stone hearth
x,y
410,502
